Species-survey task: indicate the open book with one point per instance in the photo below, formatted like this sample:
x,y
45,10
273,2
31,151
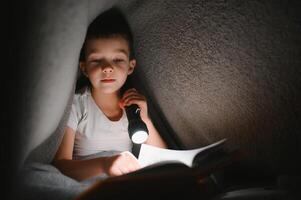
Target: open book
x,y
150,155
198,162
166,173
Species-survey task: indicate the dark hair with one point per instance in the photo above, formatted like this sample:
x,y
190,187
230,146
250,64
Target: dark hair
x,y
111,23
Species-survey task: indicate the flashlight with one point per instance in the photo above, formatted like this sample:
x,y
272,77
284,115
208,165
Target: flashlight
x,y
137,129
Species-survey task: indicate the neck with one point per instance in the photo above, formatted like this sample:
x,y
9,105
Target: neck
x,y
106,101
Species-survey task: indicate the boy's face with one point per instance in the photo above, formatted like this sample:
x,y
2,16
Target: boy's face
x,y
107,63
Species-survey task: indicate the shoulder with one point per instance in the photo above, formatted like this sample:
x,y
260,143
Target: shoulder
x,y
82,93
80,98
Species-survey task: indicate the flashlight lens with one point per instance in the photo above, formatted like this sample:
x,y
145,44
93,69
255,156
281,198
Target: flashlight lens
x,y
139,137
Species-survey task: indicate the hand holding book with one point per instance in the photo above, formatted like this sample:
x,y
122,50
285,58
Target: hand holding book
x,y
168,173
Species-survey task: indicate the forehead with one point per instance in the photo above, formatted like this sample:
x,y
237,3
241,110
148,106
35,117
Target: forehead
x,y
107,45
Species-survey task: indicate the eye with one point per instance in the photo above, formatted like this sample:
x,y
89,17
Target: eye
x,y
95,62
118,60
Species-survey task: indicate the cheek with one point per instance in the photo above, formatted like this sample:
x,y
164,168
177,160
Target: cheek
x,y
122,81
93,72
122,70
122,76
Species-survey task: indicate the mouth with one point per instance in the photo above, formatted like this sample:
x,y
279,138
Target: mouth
x,y
108,80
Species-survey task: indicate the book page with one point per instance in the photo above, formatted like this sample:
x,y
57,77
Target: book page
x,y
150,154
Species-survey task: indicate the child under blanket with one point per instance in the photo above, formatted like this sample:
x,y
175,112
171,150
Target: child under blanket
x,y
97,122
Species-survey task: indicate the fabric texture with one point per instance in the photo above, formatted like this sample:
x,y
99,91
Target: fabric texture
x,y
94,131
44,181
210,70
224,69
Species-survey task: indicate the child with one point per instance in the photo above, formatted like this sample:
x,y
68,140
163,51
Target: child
x,y
97,121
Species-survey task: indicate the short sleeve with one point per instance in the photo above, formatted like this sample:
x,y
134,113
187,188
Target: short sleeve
x,y
73,117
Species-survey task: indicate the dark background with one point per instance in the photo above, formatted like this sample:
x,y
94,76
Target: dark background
x,y
210,69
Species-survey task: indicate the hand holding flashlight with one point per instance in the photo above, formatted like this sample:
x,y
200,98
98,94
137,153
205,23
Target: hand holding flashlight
x,y
132,96
136,110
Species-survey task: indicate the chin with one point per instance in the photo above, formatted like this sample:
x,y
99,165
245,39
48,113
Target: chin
x,y
109,90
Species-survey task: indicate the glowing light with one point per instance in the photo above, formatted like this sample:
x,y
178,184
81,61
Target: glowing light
x,y
139,137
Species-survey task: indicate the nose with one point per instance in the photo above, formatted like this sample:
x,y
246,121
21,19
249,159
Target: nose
x,y
107,68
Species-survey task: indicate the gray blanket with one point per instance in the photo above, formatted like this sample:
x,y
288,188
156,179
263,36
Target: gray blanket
x,y
45,181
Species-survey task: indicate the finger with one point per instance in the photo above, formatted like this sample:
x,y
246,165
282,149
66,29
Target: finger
x,y
124,170
132,92
132,158
123,100
134,164
132,167
118,172
133,95
140,102
125,165
129,155
142,98
115,172
131,89
128,95
126,154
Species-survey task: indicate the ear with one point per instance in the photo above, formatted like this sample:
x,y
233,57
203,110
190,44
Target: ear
x,y
82,66
132,66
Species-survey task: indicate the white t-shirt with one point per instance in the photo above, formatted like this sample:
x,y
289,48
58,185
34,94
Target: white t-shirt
x,y
94,132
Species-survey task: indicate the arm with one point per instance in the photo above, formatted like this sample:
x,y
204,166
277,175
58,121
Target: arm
x,y
154,137
131,96
83,169
76,169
